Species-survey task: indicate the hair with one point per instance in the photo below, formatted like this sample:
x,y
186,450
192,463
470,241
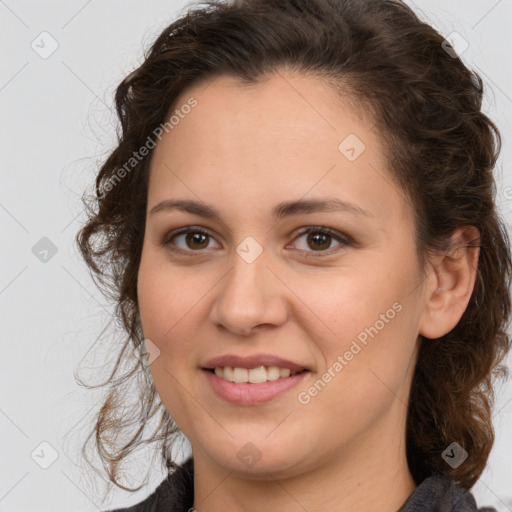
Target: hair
x,y
440,148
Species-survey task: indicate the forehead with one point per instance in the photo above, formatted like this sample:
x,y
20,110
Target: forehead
x,y
278,112
283,138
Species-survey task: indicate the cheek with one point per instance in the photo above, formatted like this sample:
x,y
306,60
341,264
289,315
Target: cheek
x,y
157,304
365,328
367,372
346,305
172,304
165,298
167,307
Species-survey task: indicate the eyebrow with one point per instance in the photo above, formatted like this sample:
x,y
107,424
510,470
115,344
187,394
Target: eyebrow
x,y
280,211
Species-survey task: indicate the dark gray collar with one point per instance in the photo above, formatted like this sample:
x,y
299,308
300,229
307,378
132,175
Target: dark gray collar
x,y
439,493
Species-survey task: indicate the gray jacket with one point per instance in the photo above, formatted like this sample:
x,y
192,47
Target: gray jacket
x,y
435,494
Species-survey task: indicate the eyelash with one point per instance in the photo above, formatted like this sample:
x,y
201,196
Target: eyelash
x,y
343,239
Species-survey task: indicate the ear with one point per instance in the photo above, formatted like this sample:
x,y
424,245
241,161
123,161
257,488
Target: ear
x,y
450,283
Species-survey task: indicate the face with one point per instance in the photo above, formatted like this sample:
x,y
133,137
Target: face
x,y
247,277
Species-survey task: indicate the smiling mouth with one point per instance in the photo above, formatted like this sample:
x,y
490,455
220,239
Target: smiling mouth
x,y
253,375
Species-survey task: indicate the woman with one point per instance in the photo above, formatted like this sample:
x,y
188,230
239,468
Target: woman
x,y
291,225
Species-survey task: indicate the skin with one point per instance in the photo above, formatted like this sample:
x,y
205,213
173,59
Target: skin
x,y
243,149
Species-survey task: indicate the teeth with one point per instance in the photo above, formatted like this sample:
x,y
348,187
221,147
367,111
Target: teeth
x,y
254,375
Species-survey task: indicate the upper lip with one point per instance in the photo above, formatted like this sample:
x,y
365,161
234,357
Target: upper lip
x,y
253,361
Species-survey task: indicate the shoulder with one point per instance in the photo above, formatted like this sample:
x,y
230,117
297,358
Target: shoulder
x,y
175,493
439,493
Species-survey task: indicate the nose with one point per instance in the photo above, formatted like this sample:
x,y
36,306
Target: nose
x,y
249,297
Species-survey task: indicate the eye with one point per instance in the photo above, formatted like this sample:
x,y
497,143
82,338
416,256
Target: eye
x,y
320,238
194,238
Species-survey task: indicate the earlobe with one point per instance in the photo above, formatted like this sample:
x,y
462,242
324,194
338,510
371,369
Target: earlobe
x,y
450,283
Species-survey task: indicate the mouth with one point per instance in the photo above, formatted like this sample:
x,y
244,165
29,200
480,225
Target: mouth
x,y
252,386
256,375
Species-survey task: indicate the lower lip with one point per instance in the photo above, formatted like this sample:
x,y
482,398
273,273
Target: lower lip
x,y
246,393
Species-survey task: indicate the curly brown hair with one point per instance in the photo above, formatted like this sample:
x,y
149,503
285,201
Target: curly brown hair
x,y
440,148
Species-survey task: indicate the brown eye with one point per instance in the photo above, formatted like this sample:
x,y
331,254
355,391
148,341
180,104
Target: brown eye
x,y
191,239
188,240
319,239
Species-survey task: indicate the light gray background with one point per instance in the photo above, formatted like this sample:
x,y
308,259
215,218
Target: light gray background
x,y
57,126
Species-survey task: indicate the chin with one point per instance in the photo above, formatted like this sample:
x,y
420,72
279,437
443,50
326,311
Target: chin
x,y
257,459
